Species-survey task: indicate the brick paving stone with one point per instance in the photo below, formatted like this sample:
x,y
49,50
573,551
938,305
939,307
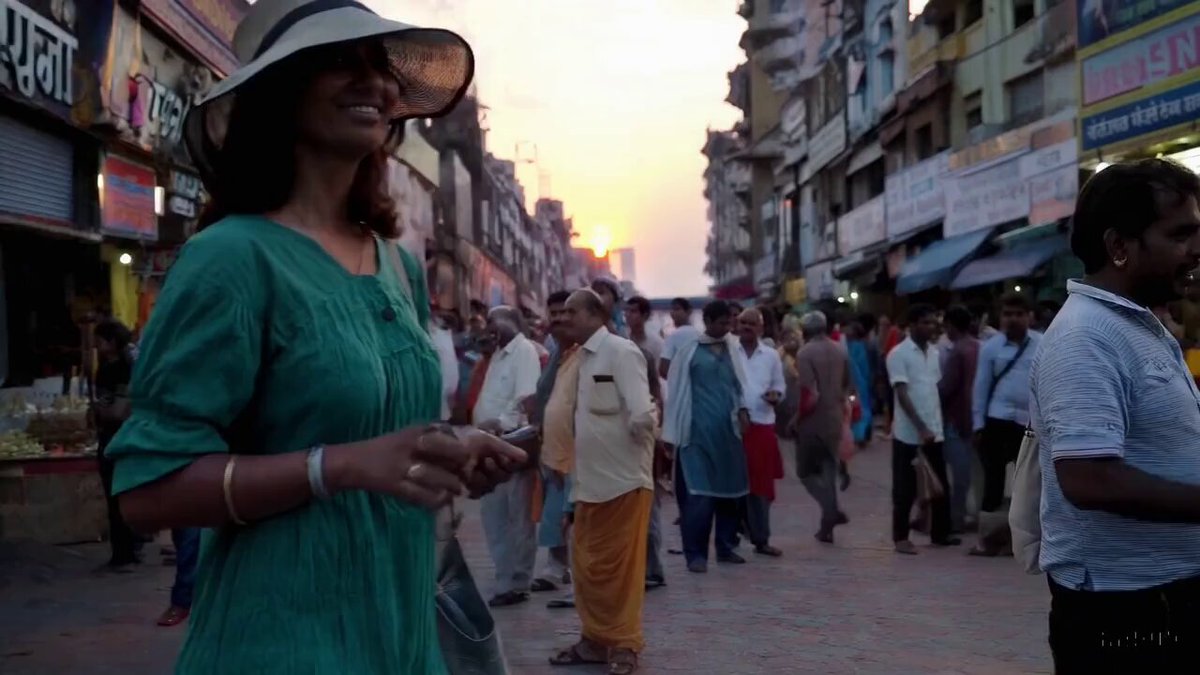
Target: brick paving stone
x,y
854,607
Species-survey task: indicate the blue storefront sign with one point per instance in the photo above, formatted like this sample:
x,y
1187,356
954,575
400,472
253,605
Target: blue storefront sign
x,y
1168,109
1101,19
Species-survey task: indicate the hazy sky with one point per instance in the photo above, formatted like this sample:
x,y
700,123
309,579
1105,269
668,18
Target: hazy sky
x,y
616,95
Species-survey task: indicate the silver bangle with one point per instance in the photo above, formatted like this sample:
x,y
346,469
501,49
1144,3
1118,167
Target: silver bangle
x,y
316,472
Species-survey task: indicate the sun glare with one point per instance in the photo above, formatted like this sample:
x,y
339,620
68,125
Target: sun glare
x,y
600,240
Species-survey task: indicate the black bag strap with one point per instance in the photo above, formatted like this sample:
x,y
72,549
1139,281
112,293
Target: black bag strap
x,y
1004,371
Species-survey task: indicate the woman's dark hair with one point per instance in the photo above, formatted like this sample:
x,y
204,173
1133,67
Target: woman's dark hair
x,y
111,330
1127,197
717,309
959,317
920,311
254,169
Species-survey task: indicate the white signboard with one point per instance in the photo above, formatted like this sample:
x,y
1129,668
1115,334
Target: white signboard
x,y
791,119
819,280
914,195
827,144
985,198
862,227
1050,158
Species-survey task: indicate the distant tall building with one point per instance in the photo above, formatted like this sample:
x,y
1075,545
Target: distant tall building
x,y
591,265
625,270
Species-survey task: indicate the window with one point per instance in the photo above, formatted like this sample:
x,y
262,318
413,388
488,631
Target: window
x,y
947,26
943,141
924,142
887,69
1022,12
887,74
973,105
973,12
1025,97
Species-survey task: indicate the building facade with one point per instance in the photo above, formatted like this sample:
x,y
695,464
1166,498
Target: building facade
x,y
938,155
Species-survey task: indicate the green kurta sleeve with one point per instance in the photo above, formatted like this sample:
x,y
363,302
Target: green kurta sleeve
x,y
197,363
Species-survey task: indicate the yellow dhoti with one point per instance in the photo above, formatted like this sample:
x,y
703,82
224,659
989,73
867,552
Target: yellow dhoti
x,y
608,555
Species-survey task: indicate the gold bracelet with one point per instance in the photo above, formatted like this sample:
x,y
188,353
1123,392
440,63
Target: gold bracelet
x,y
228,483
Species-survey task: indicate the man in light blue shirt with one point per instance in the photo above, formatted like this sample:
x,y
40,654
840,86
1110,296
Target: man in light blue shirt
x,y
1117,417
1000,412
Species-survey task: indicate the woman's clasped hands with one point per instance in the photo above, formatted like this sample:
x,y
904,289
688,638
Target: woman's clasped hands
x,y
427,465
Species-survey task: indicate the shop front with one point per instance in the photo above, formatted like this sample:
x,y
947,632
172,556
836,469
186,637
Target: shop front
x,y
152,198
1140,82
1024,179
52,277
490,285
862,242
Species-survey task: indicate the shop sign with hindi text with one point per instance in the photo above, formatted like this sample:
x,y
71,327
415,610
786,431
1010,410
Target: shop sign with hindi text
x,y
152,88
1101,19
862,227
127,200
914,196
37,51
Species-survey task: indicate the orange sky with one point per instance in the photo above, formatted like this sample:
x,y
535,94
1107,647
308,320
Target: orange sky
x,y
616,94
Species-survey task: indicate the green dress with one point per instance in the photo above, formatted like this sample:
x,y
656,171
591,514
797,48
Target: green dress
x,y
261,342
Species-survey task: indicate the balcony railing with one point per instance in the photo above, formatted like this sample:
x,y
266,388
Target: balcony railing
x,y
766,27
783,54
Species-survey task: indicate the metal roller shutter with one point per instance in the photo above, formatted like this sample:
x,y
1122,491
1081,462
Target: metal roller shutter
x,y
36,173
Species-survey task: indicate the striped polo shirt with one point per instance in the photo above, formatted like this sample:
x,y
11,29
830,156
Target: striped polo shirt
x,y
1110,381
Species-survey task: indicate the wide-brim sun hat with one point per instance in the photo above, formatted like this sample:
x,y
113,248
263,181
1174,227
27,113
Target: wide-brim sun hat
x,y
434,66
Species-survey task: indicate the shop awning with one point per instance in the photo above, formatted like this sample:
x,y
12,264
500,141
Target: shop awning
x,y
936,265
1018,262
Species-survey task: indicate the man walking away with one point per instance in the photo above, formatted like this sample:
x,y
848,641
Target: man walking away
x,y
917,433
956,390
1117,418
612,491
1001,412
512,377
765,388
823,371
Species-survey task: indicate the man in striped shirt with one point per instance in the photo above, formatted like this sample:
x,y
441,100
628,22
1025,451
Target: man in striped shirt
x,y
1117,416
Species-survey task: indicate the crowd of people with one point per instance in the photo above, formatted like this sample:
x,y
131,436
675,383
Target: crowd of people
x,y
1100,383
292,389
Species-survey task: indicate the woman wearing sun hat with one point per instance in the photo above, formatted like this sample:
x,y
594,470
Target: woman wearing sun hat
x,y
286,386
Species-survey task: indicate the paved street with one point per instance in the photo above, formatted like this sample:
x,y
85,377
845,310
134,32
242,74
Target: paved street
x,y
854,607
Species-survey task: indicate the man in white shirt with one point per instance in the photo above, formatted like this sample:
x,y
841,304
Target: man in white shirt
x,y
685,332
637,313
914,370
512,377
764,465
443,342
612,488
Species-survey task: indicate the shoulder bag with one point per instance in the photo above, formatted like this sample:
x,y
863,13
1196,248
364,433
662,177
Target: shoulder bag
x,y
1024,512
466,629
1004,371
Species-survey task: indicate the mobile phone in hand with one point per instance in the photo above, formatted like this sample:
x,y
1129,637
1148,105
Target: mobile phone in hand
x,y
520,435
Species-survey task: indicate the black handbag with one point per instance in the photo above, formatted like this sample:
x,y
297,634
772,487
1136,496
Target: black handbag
x,y
466,629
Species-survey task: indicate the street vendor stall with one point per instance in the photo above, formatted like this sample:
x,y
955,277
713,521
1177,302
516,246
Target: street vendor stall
x,y
50,489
